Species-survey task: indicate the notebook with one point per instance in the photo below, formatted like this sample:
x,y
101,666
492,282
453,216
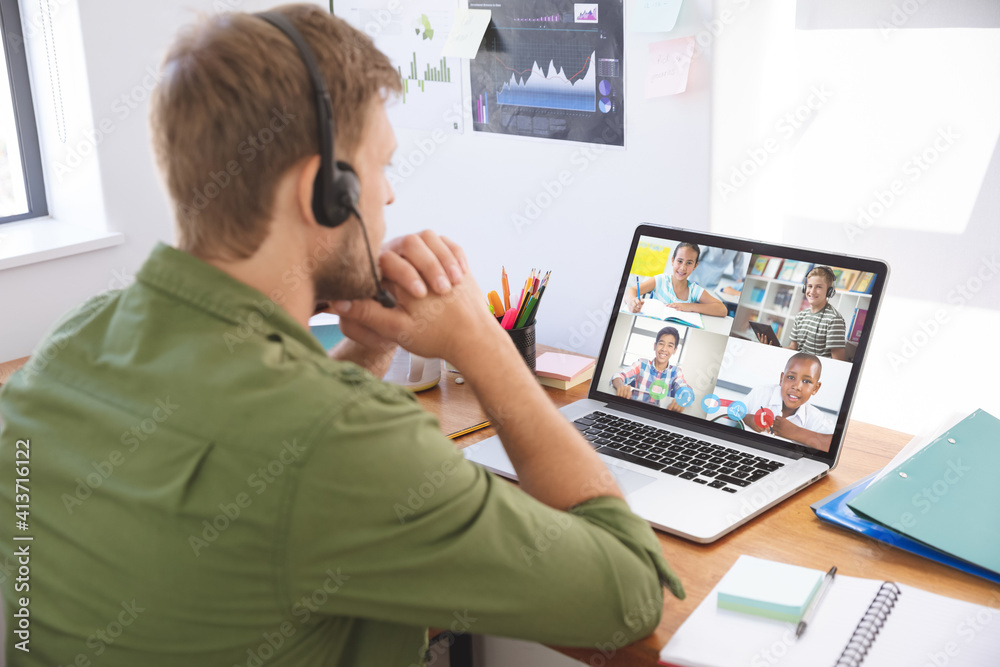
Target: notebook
x,y
661,311
685,417
859,623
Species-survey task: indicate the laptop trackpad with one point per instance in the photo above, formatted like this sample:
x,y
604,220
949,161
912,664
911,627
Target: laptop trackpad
x,y
628,480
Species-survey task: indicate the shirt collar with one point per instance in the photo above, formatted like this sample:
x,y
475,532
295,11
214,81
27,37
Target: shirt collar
x,y
206,287
776,405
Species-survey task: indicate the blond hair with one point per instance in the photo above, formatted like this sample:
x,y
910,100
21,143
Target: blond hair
x,y
235,109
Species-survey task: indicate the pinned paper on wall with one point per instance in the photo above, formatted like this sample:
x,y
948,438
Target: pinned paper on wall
x,y
655,15
467,33
669,64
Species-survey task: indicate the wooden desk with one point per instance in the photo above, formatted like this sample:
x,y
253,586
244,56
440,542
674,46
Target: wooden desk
x,y
788,532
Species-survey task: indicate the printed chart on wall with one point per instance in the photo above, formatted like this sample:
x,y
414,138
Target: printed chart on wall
x,y
551,70
413,35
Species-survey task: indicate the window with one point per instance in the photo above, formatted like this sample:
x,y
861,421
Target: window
x,y
22,190
642,340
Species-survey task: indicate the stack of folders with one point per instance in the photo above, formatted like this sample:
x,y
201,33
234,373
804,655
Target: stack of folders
x,y
858,623
563,371
938,498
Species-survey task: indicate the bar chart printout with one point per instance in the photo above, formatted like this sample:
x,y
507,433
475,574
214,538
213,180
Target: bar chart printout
x,y
551,70
413,34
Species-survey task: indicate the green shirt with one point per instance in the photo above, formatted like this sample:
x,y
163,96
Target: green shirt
x,y
208,487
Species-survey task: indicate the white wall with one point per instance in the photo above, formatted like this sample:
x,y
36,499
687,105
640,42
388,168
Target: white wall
x,y
941,238
583,236
120,40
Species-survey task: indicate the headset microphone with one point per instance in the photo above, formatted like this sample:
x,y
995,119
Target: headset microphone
x,y
383,296
337,188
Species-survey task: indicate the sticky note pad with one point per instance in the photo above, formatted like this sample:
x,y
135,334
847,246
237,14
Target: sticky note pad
x,y
562,366
768,589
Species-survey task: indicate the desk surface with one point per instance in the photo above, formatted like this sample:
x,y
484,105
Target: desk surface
x,y
788,532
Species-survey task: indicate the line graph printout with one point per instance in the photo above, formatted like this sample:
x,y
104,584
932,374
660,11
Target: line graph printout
x,y
551,70
413,35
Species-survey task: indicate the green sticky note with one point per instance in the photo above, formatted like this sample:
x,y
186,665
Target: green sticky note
x,y
769,589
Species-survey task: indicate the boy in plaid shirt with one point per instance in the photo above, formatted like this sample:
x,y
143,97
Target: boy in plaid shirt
x,y
652,380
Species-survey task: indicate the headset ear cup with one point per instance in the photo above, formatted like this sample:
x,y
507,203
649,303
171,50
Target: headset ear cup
x,y
319,201
347,185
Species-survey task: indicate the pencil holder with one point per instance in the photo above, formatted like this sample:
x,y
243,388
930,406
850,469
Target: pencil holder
x,y
524,341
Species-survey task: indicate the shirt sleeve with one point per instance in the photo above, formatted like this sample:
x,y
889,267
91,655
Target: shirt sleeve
x,y
796,334
694,292
419,536
660,291
757,399
677,382
819,422
836,332
629,376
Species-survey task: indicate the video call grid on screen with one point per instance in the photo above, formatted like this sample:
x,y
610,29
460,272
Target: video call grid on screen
x,y
687,346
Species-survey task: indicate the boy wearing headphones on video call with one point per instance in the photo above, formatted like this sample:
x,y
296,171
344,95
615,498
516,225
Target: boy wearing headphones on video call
x,y
819,329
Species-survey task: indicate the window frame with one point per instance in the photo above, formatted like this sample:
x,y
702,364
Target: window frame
x,y
24,113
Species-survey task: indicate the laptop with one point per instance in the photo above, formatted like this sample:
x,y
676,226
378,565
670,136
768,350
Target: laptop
x,y
705,427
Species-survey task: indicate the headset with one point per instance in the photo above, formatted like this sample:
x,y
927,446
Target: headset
x,y
830,276
337,188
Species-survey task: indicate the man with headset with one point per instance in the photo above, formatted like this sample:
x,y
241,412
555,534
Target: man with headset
x,y
208,487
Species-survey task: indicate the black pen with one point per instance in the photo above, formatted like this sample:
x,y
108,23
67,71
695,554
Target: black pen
x,y
811,609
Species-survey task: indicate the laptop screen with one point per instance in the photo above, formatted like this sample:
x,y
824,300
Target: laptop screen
x,y
757,343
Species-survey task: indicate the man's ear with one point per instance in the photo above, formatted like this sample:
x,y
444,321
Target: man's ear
x,y
304,188
816,388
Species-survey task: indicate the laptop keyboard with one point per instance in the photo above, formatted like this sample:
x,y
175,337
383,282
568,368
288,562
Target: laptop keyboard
x,y
701,462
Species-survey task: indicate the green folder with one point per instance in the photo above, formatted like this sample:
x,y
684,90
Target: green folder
x,y
947,495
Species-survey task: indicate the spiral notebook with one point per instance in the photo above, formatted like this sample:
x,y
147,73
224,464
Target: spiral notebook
x,y
860,623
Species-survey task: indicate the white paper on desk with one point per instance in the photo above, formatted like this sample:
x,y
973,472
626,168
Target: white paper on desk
x,y
713,637
467,33
919,442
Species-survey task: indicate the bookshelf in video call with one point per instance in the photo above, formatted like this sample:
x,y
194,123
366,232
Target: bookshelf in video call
x,y
783,300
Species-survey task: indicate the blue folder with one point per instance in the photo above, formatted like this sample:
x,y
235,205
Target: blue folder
x,y
833,509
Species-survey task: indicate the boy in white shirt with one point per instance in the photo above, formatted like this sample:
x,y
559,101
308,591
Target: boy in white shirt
x,y
784,407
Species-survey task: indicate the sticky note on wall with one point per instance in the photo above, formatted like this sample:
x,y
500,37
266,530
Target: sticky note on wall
x,y
654,15
668,67
467,32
